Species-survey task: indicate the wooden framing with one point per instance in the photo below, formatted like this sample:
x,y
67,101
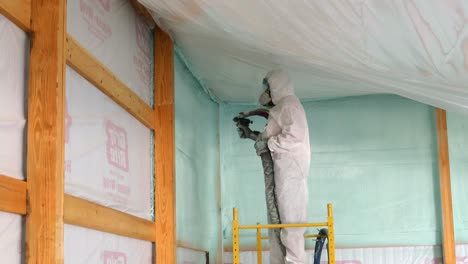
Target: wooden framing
x,y
18,11
12,195
83,213
101,77
42,197
45,140
164,148
445,187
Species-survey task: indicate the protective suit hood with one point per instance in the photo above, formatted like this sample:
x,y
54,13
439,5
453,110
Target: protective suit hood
x,y
280,85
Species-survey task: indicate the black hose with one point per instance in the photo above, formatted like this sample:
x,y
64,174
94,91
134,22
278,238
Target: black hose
x,y
319,243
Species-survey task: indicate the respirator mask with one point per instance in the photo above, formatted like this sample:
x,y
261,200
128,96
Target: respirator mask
x,y
265,97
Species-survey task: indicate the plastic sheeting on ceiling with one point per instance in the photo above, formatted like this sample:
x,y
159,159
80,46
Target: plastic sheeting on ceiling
x,y
413,48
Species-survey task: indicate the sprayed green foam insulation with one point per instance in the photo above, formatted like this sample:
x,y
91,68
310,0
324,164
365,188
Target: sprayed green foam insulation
x,y
373,157
457,125
197,163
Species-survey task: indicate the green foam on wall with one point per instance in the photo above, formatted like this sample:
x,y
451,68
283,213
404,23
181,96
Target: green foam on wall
x,y
197,163
457,125
373,157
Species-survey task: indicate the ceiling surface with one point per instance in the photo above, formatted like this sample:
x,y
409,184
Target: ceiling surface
x,y
414,48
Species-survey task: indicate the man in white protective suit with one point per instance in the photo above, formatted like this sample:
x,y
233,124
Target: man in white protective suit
x,y
287,136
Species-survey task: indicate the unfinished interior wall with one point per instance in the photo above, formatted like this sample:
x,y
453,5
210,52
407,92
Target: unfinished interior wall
x,y
197,166
109,153
14,47
457,125
373,157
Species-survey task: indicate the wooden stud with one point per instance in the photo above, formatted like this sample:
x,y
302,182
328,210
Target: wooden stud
x,y
445,187
164,149
87,214
101,77
18,11
12,195
45,140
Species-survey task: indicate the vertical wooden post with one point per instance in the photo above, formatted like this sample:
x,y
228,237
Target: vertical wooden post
x,y
164,148
45,143
445,187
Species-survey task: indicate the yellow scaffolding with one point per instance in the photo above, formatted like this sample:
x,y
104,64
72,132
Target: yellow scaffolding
x,y
236,227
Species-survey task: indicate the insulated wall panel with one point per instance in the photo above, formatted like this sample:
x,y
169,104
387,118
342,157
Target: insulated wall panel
x,y
457,125
85,246
113,32
197,164
108,156
13,86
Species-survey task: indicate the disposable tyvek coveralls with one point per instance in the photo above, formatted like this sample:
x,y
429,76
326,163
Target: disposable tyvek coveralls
x,y
288,140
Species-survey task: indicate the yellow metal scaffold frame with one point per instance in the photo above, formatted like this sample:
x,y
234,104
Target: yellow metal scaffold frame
x,y
236,227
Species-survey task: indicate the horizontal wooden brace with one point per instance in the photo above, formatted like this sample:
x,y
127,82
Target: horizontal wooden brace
x,y
96,73
18,11
87,214
12,195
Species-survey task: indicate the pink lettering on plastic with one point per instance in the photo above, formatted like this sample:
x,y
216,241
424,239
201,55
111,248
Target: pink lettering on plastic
x,y
113,257
105,4
68,166
117,146
19,248
142,35
141,59
68,123
93,13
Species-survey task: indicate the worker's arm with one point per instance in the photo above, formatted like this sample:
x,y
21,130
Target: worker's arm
x,y
246,132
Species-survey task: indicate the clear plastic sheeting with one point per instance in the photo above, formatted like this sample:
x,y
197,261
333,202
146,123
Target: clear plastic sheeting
x,y
13,91
11,234
84,246
417,49
107,151
113,32
13,86
190,256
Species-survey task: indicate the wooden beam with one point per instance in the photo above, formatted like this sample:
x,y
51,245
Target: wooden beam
x,y
143,12
445,187
45,140
18,11
12,195
87,214
101,77
164,148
